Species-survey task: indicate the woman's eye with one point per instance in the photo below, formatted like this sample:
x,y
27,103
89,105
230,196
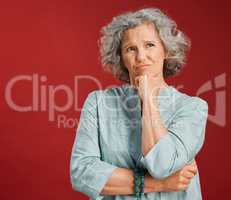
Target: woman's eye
x,y
150,45
131,49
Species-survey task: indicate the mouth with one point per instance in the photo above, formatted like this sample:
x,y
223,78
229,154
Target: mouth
x,y
141,66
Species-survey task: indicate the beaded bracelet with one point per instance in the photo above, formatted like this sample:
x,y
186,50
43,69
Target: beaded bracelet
x,y
138,182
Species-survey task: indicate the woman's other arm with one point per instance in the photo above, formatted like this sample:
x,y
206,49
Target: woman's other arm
x,y
121,181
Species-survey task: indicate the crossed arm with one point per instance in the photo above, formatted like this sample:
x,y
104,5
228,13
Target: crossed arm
x,y
121,181
166,161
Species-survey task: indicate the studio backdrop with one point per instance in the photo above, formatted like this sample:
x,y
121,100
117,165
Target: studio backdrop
x,y
50,61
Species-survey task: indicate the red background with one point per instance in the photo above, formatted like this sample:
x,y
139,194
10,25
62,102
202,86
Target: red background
x,y
58,39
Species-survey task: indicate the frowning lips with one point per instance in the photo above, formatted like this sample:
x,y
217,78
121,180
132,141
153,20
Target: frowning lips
x,y
142,66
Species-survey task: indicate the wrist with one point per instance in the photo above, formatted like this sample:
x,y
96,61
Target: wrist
x,y
149,109
153,185
159,185
164,184
150,101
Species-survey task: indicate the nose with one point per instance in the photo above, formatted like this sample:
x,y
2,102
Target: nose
x,y
141,56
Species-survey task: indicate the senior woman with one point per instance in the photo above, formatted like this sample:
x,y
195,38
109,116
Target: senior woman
x,y
139,140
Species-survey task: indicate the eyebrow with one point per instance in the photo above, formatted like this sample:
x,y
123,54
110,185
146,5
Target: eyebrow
x,y
128,44
125,46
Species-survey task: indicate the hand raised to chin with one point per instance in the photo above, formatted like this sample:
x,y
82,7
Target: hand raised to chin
x,y
148,86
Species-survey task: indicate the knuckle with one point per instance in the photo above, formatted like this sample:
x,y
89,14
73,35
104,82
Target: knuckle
x,y
181,179
181,172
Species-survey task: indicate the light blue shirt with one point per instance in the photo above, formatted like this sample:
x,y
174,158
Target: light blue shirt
x,y
109,136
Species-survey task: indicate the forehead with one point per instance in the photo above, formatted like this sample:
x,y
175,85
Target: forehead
x,y
145,31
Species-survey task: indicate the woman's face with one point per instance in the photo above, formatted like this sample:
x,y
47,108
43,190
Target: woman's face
x,y
142,51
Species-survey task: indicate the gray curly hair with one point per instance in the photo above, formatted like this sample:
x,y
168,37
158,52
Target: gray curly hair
x,y
175,42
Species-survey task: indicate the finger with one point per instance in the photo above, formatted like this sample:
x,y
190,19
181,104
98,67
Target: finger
x,y
137,80
193,164
192,169
145,82
188,174
184,186
184,180
142,80
144,71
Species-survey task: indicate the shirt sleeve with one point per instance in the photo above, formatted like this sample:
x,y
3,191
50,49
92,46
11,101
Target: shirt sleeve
x,y
183,141
88,172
